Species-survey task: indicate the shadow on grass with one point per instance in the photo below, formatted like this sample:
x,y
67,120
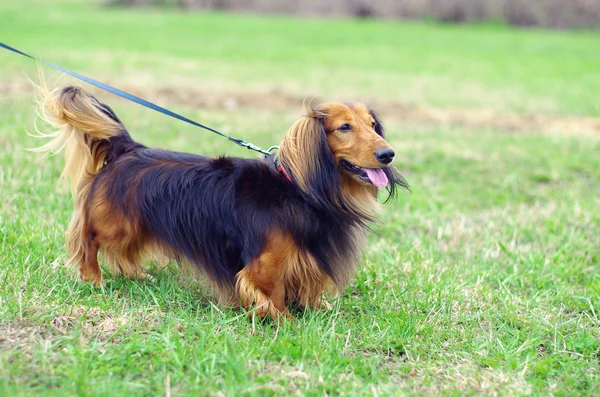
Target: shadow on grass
x,y
169,289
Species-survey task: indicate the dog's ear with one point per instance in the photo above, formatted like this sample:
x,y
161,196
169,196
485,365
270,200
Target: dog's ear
x,y
378,123
395,179
306,157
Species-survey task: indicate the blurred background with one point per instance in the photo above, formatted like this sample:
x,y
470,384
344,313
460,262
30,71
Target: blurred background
x,y
546,13
485,279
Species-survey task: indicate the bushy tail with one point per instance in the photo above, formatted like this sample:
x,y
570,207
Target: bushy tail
x,y
83,129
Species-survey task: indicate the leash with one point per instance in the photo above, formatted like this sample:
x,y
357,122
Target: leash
x,y
143,102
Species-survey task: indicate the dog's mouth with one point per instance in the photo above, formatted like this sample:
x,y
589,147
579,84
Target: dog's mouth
x,y
374,176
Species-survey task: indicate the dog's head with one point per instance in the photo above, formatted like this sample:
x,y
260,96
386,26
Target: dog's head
x,y
335,140
355,138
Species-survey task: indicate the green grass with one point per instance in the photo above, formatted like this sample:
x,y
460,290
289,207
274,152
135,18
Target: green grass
x,y
483,66
486,280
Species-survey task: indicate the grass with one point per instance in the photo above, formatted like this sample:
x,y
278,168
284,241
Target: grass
x,y
482,66
484,281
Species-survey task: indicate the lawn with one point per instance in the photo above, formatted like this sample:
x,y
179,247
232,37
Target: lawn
x,y
484,280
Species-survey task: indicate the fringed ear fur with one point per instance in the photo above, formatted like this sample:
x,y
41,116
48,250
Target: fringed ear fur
x,y
395,179
306,157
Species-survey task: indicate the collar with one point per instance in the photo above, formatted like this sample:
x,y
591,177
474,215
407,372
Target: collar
x,y
280,168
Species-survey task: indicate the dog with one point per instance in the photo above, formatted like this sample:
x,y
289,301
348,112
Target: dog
x,y
265,233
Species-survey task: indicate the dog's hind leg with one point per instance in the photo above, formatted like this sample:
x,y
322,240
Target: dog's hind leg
x,y
89,269
83,247
121,246
124,256
114,235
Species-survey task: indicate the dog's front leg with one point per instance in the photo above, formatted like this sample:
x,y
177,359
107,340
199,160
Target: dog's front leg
x,y
262,290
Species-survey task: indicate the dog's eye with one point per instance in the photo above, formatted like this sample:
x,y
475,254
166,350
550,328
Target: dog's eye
x,y
373,124
345,128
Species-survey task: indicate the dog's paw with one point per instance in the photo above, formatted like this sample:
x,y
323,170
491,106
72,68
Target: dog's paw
x,y
95,279
140,275
145,276
321,304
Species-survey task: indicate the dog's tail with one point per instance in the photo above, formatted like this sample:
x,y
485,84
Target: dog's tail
x,y
84,129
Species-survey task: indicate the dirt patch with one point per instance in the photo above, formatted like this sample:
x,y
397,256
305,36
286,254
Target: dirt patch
x,y
90,322
15,87
467,375
390,110
423,379
20,334
510,122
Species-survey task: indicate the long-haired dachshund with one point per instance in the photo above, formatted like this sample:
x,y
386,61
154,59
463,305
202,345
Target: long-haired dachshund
x,y
264,232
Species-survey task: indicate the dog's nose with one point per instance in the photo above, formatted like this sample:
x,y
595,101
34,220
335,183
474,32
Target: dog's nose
x,y
385,156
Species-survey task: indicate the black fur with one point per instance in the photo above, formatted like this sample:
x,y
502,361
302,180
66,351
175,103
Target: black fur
x,y
216,213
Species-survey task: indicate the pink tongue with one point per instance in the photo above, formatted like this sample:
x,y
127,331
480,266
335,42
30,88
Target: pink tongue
x,y
377,177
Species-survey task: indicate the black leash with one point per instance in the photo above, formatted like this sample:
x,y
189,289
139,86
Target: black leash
x,y
142,102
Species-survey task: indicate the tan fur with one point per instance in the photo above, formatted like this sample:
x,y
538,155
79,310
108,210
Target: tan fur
x,y
262,282
81,129
361,198
78,123
298,152
357,146
282,273
122,243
